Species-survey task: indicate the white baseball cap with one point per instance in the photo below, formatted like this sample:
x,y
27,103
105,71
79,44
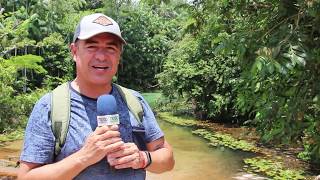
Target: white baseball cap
x,y
94,24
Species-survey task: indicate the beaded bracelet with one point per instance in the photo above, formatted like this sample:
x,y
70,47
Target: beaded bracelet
x,y
149,158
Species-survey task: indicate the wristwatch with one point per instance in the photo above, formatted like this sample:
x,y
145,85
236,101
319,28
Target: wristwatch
x,y
149,158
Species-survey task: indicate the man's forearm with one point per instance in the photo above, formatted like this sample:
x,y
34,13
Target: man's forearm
x,y
98,144
162,159
67,168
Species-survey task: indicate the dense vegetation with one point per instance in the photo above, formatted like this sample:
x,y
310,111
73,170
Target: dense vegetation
x,y
251,62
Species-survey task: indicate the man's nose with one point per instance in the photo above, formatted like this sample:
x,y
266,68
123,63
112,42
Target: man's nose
x,y
101,54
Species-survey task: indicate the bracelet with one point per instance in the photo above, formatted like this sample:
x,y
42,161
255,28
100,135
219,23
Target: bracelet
x,y
149,158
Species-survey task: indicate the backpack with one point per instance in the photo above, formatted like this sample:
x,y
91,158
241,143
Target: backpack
x,y
60,111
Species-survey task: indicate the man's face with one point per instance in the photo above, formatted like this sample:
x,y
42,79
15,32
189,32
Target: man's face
x,y
97,58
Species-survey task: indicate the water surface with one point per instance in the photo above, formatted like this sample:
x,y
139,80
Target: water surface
x,y
196,160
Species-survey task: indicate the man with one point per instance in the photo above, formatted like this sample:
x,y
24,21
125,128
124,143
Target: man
x,y
92,152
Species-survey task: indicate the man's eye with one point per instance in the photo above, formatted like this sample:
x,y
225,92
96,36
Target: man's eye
x,y
92,48
112,48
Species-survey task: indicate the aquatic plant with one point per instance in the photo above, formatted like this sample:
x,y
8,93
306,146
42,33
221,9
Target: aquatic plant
x,y
217,139
13,135
273,169
182,121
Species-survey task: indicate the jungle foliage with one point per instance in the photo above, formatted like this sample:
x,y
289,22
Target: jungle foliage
x,y
251,62
34,53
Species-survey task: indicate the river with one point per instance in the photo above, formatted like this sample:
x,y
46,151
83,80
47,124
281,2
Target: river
x,y
194,158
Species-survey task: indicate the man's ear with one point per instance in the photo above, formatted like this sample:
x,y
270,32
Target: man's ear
x,y
73,50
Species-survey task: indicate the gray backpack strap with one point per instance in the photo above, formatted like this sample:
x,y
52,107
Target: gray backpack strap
x,y
132,102
60,114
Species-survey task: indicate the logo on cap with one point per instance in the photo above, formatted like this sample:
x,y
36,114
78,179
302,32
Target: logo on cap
x,y
102,20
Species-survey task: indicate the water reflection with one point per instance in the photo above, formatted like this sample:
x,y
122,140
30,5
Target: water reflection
x,y
196,160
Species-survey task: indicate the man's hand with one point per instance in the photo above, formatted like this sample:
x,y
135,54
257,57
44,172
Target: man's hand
x,y
100,143
128,156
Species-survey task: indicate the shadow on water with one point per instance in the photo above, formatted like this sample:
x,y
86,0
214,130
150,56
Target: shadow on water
x,y
195,159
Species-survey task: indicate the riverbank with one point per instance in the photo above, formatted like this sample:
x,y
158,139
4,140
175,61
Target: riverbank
x,y
274,162
9,156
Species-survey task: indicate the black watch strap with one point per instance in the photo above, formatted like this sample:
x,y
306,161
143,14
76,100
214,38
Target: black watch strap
x,y
149,158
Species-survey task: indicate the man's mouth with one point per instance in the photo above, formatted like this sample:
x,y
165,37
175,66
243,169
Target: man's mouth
x,y
101,67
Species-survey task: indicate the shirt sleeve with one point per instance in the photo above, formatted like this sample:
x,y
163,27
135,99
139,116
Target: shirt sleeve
x,y
152,129
39,140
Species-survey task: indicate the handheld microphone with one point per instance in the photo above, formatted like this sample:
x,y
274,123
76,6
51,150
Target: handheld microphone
x,y
107,114
107,110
